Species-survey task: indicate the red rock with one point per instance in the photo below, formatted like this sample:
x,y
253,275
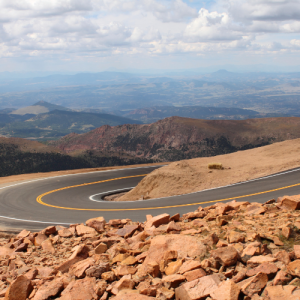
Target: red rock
x,y
97,270
39,238
65,233
125,270
197,289
115,222
31,274
227,256
82,230
282,278
277,241
236,237
23,234
252,249
294,268
100,287
81,253
101,248
255,209
297,251
257,260
133,297
172,226
266,268
283,256
96,223
49,230
22,247
186,246
253,285
79,268
173,267
280,292
289,202
227,290
172,281
194,274
175,218
286,231
189,266
49,289
19,289
80,289
158,220
124,283
127,231
47,246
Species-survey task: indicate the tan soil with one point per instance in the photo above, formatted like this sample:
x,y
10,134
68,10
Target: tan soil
x,y
193,175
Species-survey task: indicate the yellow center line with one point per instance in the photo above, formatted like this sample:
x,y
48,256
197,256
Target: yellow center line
x,y
40,197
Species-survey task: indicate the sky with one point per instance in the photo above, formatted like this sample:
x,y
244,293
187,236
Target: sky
x,y
97,35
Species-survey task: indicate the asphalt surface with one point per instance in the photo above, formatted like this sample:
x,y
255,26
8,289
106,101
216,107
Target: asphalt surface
x,y
80,198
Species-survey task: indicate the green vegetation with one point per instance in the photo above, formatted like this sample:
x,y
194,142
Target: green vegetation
x,y
13,161
56,124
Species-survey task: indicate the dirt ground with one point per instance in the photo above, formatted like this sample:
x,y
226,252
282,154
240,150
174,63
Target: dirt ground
x,y
193,175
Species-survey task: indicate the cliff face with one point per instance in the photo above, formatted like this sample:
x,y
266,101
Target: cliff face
x,y
180,138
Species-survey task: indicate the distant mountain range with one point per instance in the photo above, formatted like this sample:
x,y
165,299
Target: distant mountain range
x,y
153,114
44,120
257,91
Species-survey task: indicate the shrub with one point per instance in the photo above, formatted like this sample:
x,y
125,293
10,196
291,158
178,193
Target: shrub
x,y
217,166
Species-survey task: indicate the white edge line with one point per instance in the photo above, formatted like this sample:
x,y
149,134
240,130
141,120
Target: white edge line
x,y
52,177
32,221
198,192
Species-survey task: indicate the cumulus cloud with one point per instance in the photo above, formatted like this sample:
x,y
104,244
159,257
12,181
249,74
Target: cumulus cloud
x,y
108,27
264,10
211,26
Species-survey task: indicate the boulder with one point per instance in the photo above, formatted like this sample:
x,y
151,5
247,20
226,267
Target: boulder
x,y
80,289
227,256
96,223
19,289
82,230
158,220
49,289
197,289
267,268
81,253
294,268
186,246
227,290
289,202
133,297
172,281
47,246
65,233
257,260
78,269
39,238
253,285
189,266
49,230
127,230
280,292
194,274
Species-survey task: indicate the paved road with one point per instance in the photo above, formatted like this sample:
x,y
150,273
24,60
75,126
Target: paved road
x,y
76,198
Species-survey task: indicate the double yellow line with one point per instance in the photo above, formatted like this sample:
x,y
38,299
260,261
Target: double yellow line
x,y
39,199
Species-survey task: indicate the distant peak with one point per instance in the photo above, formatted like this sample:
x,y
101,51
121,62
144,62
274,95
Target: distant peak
x,y
42,102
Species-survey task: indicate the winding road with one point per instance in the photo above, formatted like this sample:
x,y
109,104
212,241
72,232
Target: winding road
x,y
75,198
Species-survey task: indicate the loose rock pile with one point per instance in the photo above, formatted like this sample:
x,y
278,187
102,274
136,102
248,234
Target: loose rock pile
x,y
227,251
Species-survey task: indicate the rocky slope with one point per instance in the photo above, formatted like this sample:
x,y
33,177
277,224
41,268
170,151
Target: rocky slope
x,y
178,138
21,156
193,175
227,251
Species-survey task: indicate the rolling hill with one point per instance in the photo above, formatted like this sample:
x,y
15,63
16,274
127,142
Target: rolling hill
x,y
28,122
182,138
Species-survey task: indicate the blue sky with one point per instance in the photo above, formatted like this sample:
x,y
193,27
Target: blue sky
x,y
95,35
